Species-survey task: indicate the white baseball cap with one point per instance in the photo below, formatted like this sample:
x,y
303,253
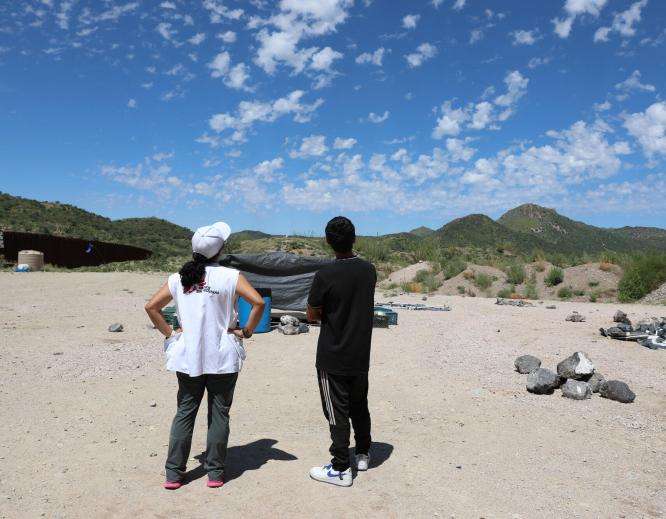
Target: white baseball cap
x,y
208,240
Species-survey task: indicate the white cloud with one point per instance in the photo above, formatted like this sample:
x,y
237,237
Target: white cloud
x,y
197,39
374,58
574,9
376,119
475,35
227,37
267,168
523,37
323,59
250,112
297,20
602,107
484,114
649,128
218,11
623,23
537,62
312,146
410,21
165,31
633,83
424,52
220,64
168,5
516,85
132,103
344,144
238,75
457,4
450,122
234,77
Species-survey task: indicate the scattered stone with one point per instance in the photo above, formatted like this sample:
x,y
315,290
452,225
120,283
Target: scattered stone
x,y
595,381
303,328
512,302
575,317
578,366
289,320
526,364
551,307
621,317
617,390
153,404
57,353
543,381
576,390
424,298
116,327
153,454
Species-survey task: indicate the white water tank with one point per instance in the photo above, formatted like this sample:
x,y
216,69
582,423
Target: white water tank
x,y
33,258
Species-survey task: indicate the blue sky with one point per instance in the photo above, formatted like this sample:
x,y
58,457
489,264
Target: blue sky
x,y
278,115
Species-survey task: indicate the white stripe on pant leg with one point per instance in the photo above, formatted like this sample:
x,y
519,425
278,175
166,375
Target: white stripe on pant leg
x,y
323,392
327,402
330,402
324,388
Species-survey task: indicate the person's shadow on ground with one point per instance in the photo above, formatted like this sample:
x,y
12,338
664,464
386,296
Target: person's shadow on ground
x,y
379,453
241,458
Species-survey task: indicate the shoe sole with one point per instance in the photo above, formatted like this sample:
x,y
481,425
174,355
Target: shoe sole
x,y
332,482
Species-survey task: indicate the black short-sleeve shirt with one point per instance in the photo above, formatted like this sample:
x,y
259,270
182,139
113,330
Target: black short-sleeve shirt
x,y
345,292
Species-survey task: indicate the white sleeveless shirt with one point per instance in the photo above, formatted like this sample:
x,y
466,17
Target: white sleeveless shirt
x,y
205,314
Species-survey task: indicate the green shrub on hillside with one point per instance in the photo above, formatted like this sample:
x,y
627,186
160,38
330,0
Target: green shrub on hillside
x,y
531,289
483,281
564,293
506,292
453,267
554,277
641,276
515,274
428,280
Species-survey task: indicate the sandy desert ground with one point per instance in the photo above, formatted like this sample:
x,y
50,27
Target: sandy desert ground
x,y
456,433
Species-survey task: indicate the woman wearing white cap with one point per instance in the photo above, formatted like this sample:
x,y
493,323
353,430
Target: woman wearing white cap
x,y
209,353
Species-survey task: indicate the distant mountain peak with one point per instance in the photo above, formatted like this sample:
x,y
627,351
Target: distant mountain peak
x,y
422,231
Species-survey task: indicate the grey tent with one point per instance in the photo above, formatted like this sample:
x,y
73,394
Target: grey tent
x,y
289,276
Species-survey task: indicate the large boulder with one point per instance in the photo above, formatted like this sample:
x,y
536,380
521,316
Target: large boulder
x,y
526,364
617,390
578,366
576,390
595,381
543,381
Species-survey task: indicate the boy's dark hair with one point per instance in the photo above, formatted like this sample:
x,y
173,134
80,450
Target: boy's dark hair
x,y
340,234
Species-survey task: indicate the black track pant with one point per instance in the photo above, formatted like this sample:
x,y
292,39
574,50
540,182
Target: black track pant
x,y
343,398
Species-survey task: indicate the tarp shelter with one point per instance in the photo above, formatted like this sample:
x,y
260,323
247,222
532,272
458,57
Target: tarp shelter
x,y
289,276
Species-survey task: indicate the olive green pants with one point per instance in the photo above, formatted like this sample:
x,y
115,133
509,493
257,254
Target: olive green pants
x,y
220,390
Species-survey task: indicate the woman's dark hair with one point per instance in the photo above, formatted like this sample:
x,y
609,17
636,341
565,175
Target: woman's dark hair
x,y
340,234
193,272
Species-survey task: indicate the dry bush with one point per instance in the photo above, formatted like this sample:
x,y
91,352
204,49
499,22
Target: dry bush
x,y
540,266
468,275
605,266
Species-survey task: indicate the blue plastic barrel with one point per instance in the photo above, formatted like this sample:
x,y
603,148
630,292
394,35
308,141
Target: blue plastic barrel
x,y
244,309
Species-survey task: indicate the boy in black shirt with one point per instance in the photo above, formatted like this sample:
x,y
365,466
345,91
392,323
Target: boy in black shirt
x,y
342,298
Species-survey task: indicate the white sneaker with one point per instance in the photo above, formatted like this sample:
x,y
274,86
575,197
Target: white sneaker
x,y
327,474
362,462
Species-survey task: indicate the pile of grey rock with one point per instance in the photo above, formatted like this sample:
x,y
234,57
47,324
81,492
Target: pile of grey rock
x,y
291,325
650,333
576,377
